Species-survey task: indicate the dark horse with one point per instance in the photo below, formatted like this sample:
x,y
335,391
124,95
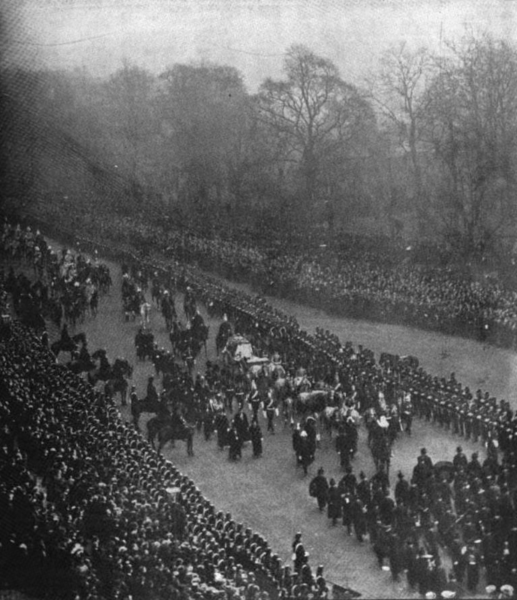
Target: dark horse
x,y
145,406
68,345
169,431
117,382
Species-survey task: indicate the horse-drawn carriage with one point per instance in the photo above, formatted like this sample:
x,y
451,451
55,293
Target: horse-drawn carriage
x,y
239,353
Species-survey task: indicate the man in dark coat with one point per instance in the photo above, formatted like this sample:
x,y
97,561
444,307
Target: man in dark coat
x,y
235,444
318,489
386,508
459,461
334,502
359,518
269,405
343,448
300,557
347,509
135,408
222,426
240,421
152,394
401,488
364,491
305,457
256,438
348,482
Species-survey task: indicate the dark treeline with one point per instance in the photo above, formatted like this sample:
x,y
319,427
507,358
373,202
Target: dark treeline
x,y
425,150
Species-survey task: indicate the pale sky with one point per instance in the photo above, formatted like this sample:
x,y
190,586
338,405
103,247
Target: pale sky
x,y
251,35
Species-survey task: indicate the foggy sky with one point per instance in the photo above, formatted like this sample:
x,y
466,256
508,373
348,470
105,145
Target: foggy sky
x,y
251,35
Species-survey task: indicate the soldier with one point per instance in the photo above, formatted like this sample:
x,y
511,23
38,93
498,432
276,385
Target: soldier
x,y
134,407
300,557
474,468
396,556
343,448
234,443
334,502
359,517
319,489
407,412
305,457
269,405
459,461
364,489
401,488
473,568
256,438
152,394
348,482
254,402
347,510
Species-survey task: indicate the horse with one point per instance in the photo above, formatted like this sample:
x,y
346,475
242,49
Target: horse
x,y
169,431
145,405
81,361
314,401
103,372
68,345
116,381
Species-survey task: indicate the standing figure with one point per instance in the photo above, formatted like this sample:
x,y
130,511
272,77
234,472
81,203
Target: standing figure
x,y
319,488
270,412
334,502
256,438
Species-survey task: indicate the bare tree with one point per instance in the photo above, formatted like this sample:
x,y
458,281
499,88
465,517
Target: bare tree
x,y
472,123
206,110
315,116
130,93
399,93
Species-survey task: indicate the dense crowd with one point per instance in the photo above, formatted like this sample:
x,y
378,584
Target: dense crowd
x,y
353,280
90,511
67,285
475,503
468,510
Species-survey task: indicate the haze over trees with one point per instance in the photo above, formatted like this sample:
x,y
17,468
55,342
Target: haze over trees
x,y
425,149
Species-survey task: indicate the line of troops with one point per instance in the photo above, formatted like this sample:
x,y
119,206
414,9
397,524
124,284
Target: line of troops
x,y
446,402
478,416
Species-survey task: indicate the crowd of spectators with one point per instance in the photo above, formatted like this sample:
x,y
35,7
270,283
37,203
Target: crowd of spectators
x,y
66,285
351,279
469,511
476,504
90,511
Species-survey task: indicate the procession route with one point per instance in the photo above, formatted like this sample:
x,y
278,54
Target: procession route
x,y
270,494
